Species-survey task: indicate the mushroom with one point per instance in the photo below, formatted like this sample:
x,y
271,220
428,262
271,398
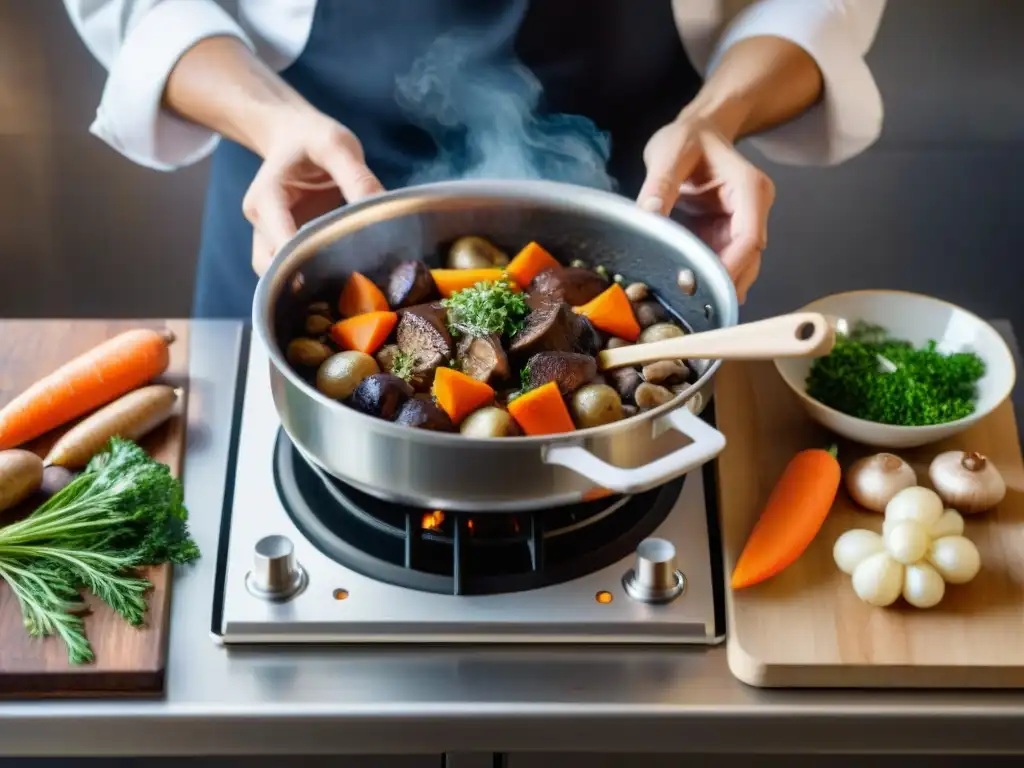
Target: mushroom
x,y
968,482
649,396
665,372
306,353
473,252
660,332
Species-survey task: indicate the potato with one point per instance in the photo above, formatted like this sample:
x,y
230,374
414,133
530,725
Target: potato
x,y
340,374
21,474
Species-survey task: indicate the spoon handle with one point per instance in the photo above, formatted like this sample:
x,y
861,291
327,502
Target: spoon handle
x,y
800,334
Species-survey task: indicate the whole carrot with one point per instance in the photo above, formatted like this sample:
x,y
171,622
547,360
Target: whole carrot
x,y
92,379
792,517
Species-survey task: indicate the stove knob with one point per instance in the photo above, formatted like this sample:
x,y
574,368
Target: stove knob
x,y
275,575
655,578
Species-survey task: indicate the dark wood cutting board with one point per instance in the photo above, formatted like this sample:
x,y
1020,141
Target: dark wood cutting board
x,y
129,660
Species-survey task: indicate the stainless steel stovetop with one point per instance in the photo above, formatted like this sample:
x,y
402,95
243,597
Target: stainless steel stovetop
x,y
277,586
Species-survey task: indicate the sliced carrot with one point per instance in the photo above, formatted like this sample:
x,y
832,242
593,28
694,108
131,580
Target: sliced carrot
x,y
449,281
95,378
611,312
458,394
530,261
792,517
366,332
542,411
361,295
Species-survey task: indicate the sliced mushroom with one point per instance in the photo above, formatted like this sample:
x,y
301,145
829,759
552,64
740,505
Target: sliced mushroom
x,y
665,372
483,358
570,370
649,396
380,395
410,283
573,285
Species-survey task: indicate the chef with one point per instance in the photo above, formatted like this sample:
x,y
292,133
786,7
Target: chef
x,y
296,101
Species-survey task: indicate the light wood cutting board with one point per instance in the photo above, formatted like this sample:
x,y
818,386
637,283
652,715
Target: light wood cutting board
x,y
130,661
806,627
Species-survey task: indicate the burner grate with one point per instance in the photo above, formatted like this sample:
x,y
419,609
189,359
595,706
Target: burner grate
x,y
462,553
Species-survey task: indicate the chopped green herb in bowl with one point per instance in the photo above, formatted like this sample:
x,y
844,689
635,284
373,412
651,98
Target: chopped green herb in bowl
x,y
906,370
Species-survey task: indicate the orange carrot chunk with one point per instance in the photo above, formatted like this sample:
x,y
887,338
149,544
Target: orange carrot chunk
x,y
541,411
796,509
449,281
458,394
360,296
611,312
95,378
366,332
530,261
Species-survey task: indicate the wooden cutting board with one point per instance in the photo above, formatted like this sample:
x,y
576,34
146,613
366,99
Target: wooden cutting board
x,y
129,660
806,627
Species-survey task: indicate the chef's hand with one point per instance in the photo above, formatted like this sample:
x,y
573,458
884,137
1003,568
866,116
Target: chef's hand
x,y
311,165
693,166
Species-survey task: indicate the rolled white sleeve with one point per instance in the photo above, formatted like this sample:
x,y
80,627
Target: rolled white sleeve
x,y
139,42
837,34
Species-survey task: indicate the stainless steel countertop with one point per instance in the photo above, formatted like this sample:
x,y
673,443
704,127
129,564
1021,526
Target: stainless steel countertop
x,y
424,699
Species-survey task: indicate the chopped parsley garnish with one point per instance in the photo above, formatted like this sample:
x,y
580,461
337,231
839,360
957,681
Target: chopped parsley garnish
x,y
922,386
486,308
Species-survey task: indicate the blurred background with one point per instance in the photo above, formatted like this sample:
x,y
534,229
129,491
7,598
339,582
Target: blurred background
x,y
934,207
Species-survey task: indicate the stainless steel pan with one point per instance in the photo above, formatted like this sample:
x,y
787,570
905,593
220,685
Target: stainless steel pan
x,y
449,471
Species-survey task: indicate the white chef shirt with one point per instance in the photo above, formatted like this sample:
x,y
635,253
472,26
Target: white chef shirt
x,y
140,41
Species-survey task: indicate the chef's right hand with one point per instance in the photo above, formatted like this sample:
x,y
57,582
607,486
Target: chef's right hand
x,y
311,165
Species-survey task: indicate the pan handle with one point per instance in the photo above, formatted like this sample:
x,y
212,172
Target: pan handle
x,y
707,443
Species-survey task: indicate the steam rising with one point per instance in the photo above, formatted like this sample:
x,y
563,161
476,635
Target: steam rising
x,y
483,116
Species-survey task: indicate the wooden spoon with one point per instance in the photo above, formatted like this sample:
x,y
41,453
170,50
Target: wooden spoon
x,y
800,334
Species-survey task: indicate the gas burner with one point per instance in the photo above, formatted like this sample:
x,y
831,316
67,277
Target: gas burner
x,y
305,558
462,553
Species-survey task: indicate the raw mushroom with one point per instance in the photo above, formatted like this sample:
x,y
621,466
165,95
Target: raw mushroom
x,y
660,332
649,396
665,372
968,482
340,374
472,252
874,480
912,558
595,405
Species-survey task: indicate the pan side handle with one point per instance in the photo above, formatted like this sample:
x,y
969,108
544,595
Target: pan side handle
x,y
707,443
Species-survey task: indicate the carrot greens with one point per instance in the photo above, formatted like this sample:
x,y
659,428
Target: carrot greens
x,y
124,511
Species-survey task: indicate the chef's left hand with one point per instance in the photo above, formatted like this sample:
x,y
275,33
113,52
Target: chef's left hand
x,y
695,167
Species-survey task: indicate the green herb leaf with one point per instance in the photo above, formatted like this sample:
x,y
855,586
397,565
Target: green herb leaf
x,y
125,510
486,308
402,365
925,387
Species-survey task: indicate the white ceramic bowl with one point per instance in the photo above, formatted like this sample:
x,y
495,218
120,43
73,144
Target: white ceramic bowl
x,y
916,319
